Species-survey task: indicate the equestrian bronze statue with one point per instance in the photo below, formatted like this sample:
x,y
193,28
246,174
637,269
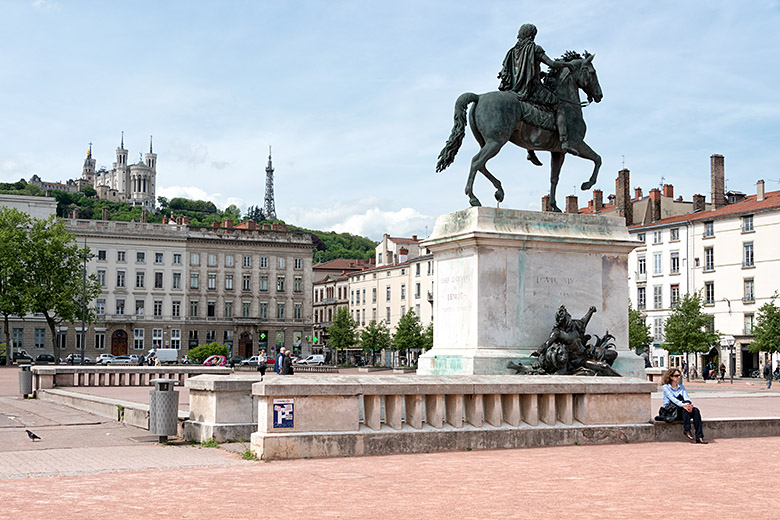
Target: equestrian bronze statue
x,y
534,110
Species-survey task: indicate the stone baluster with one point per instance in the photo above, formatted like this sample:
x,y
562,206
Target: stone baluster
x,y
474,409
510,406
454,409
530,408
433,410
372,410
547,409
394,411
564,407
492,404
414,410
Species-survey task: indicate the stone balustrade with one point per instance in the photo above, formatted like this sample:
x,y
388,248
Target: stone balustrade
x,y
321,416
51,376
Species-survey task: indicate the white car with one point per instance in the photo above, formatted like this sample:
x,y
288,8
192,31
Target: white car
x,y
103,359
252,362
314,359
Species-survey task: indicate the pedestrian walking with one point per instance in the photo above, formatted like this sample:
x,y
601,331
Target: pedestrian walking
x,y
287,369
261,360
768,373
722,371
279,359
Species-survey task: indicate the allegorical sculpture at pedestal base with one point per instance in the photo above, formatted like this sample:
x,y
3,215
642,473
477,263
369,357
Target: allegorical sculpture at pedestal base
x,y
567,351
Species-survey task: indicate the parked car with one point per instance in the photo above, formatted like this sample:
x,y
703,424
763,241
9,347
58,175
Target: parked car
x,y
75,359
103,359
314,359
215,361
22,355
45,358
250,362
123,360
237,360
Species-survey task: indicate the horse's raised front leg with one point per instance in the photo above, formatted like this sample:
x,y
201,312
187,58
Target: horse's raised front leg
x,y
488,151
556,162
586,152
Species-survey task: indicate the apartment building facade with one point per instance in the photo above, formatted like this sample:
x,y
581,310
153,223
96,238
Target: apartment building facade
x,y
728,255
175,286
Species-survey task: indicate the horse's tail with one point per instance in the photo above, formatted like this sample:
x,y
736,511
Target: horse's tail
x,y
451,147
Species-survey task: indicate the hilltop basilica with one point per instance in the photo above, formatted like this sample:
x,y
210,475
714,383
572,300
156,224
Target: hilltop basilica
x,y
132,183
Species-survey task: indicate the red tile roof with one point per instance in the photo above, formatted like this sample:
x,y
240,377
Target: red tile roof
x,y
401,240
748,205
342,264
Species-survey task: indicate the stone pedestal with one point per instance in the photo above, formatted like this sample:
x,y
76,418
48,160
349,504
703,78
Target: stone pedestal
x,y
501,275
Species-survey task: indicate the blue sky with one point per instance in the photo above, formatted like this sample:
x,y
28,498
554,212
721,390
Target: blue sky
x,y
356,98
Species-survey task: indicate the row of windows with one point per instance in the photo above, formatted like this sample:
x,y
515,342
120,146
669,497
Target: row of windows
x,y
211,309
211,259
749,294
356,295
748,260
211,281
246,261
708,231
658,326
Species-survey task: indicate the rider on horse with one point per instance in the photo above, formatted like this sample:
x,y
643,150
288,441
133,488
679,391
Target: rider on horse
x,y
521,73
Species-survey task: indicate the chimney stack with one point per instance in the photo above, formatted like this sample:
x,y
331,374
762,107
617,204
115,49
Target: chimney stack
x,y
227,223
598,200
669,191
698,203
637,193
623,196
104,214
546,203
145,216
718,181
655,205
760,190
571,204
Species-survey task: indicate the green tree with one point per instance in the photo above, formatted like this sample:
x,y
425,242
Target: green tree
x,y
200,353
13,287
54,276
427,337
638,330
408,334
89,191
233,213
163,202
375,337
343,330
767,328
255,213
688,329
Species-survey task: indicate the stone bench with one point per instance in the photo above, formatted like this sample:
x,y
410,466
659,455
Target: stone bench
x,y
45,377
365,414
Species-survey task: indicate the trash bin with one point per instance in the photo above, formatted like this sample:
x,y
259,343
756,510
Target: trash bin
x,y
163,409
25,380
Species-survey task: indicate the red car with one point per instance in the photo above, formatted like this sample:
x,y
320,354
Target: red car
x,y
215,361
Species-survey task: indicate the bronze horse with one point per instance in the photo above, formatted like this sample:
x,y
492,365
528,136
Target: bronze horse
x,y
499,117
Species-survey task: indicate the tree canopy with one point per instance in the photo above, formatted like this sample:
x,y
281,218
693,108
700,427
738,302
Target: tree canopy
x,y
638,330
766,331
13,286
688,329
375,337
408,333
53,274
343,330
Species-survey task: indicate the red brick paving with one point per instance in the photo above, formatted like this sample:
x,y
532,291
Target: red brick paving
x,y
725,479
729,478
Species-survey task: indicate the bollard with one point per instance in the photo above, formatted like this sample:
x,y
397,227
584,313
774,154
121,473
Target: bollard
x,y
25,380
163,409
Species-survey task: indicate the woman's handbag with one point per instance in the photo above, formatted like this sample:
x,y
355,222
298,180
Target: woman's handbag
x,y
668,413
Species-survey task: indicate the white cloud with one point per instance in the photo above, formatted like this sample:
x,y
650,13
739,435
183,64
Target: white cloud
x,y
44,5
195,193
368,217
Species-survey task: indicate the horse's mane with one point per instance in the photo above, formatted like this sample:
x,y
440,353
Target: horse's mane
x,y
550,78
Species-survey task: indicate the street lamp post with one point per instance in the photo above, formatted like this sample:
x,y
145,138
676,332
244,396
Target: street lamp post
x,y
728,341
84,255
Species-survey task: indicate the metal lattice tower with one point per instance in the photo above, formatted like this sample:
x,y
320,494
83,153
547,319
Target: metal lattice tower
x,y
269,208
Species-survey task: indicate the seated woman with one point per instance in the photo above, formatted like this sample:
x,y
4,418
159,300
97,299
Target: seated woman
x,y
674,392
